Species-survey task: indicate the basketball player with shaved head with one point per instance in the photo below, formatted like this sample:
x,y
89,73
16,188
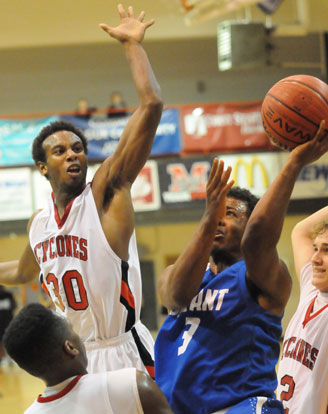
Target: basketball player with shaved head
x,y
217,350
45,345
83,243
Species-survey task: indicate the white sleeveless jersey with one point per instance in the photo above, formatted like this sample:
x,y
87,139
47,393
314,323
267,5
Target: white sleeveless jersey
x,y
103,393
89,284
303,368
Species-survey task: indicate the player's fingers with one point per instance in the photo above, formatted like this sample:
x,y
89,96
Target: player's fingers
x,y
216,181
149,23
105,27
227,187
130,11
213,170
322,133
226,175
141,16
121,11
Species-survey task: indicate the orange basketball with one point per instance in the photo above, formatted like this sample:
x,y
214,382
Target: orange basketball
x,y
293,108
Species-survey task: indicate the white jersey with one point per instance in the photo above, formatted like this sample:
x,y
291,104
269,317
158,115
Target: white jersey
x,y
103,393
303,368
89,284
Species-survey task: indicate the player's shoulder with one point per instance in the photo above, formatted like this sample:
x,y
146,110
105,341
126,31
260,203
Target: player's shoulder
x,y
32,218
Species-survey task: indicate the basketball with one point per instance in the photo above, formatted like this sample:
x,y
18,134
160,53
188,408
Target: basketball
x,y
293,109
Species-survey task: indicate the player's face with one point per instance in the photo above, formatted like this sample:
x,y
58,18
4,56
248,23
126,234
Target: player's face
x,y
231,228
66,160
320,262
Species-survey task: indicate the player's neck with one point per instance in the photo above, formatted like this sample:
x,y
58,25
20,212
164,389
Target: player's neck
x,y
62,198
60,377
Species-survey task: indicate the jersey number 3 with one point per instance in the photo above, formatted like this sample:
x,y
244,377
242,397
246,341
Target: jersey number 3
x,y
189,333
75,292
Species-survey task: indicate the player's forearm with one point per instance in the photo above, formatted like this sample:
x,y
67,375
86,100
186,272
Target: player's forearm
x,y
187,273
265,224
9,273
148,89
305,227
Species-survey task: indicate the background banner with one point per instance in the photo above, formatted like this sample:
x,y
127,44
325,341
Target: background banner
x,y
16,137
223,127
104,134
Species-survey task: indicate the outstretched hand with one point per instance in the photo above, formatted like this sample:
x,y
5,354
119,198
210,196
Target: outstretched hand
x,y
217,188
130,28
312,150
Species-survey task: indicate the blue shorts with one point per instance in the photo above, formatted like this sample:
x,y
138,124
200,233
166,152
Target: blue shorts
x,y
257,405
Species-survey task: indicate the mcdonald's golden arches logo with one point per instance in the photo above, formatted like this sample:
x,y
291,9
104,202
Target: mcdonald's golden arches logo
x,y
249,168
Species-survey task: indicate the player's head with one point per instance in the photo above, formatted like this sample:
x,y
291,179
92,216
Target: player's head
x,y
239,206
320,257
44,344
60,152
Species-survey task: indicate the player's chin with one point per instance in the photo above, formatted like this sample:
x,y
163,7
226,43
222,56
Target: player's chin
x,y
218,242
320,282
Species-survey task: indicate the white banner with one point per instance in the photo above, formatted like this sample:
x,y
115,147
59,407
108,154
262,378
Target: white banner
x,y
15,194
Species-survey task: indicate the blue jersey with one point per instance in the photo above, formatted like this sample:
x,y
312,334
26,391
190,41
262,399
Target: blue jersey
x,y
220,350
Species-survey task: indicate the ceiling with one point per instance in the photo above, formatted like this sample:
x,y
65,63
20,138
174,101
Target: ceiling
x,y
35,23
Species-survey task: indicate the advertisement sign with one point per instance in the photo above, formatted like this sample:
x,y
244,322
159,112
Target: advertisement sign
x,y
104,134
16,138
312,182
145,190
255,171
226,126
15,194
183,181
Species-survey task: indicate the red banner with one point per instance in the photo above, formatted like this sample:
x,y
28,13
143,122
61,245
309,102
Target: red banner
x,y
223,127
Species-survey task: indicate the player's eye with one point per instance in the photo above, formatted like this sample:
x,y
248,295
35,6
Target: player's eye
x,y
231,213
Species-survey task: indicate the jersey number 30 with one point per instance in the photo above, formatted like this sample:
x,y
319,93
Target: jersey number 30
x,y
75,292
188,334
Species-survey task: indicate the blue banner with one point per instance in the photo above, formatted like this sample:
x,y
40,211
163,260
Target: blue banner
x,y
16,138
104,134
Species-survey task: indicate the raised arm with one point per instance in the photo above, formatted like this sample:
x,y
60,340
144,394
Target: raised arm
x,y
112,182
263,230
302,241
179,283
137,139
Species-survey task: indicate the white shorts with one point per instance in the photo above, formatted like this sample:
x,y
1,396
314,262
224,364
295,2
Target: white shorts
x,y
132,349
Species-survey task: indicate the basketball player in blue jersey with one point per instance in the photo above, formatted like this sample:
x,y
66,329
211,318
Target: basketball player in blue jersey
x,y
83,242
217,350
45,345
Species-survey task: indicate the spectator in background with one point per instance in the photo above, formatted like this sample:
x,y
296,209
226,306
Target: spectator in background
x,y
7,308
83,111
117,106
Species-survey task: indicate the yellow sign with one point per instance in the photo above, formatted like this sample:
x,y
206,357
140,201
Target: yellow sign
x,y
249,169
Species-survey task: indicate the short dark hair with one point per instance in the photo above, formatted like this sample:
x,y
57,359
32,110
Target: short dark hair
x,y
38,152
244,195
35,339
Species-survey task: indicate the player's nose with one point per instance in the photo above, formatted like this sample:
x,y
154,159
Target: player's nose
x,y
71,155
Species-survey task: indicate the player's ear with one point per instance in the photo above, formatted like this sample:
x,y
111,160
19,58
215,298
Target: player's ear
x,y
42,167
70,348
